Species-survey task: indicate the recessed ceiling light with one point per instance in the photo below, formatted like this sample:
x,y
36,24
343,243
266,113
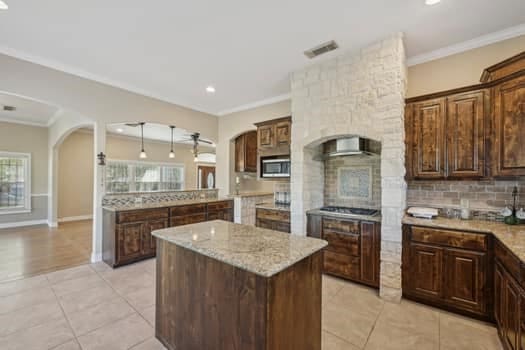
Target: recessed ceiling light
x,y
9,108
3,5
432,2
120,130
210,89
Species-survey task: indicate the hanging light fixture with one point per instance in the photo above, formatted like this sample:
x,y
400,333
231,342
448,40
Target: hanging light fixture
x,y
172,154
143,154
195,152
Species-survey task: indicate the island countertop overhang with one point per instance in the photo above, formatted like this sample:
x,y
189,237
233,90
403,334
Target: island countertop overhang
x,y
260,251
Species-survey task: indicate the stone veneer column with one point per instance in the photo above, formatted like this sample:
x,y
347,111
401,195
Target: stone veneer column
x,y
358,94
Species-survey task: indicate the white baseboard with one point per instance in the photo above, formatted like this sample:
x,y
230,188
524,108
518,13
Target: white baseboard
x,y
75,218
52,224
23,223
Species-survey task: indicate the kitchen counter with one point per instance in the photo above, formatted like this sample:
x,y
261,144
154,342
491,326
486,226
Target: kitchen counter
x,y
260,251
273,206
374,218
251,194
512,237
155,205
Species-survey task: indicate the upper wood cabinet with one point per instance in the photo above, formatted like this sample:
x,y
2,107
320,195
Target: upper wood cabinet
x,y
246,152
509,120
274,136
470,132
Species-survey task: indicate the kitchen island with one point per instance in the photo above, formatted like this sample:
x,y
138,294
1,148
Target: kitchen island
x,y
222,285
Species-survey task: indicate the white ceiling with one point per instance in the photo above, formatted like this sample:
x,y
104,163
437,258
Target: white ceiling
x,y
27,111
174,49
156,132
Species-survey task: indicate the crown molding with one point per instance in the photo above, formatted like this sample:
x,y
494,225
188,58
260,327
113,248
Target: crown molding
x,y
260,103
64,68
475,43
22,122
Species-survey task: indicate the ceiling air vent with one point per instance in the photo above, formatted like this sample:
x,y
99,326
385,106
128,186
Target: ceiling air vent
x,y
9,108
320,49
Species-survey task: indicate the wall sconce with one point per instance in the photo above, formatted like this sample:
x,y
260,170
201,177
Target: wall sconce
x,y
101,158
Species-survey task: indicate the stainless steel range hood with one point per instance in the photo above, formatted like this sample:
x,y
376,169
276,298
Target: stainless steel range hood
x,y
351,146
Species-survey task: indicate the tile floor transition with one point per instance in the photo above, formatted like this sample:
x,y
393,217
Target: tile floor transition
x,y
96,307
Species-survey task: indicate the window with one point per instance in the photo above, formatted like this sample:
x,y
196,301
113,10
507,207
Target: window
x,y
129,176
15,182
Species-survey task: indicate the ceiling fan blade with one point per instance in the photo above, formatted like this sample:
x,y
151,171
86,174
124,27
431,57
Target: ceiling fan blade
x,y
205,141
133,125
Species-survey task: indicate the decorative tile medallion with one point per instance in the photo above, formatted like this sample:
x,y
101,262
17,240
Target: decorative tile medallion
x,y
354,182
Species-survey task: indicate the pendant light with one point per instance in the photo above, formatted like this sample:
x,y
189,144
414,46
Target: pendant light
x,y
142,152
195,152
172,154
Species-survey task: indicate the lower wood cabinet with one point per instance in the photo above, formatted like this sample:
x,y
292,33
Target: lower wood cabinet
x,y
278,220
127,235
439,269
353,247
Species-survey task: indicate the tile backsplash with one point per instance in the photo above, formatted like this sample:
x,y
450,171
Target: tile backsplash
x,y
484,195
353,181
116,199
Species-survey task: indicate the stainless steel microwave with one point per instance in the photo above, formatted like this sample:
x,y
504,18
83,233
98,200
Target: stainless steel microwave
x,y
275,167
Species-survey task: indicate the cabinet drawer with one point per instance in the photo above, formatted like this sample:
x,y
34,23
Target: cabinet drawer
x,y
346,243
508,260
188,209
345,226
142,215
220,205
188,219
341,265
275,215
456,239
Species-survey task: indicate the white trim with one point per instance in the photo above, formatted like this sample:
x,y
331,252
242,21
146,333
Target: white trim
x,y
52,223
75,218
94,77
55,117
96,257
260,103
23,122
39,194
480,41
23,223
27,182
11,211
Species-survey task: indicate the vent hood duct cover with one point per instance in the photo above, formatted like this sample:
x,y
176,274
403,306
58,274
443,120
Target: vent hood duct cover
x,y
351,146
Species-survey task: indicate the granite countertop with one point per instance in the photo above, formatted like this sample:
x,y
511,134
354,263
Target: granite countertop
x,y
273,206
257,250
513,237
374,218
251,194
163,204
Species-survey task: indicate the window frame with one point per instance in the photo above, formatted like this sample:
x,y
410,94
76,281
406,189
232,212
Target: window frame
x,y
27,184
131,174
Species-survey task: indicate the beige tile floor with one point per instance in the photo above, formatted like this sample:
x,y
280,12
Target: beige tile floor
x,y
96,307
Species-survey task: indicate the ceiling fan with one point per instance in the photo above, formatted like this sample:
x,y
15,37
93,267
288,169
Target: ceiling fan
x,y
195,137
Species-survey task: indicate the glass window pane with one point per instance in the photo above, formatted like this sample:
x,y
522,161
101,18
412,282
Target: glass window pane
x,y
13,170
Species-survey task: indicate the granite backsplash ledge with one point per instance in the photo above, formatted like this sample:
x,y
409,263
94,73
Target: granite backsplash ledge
x,y
123,199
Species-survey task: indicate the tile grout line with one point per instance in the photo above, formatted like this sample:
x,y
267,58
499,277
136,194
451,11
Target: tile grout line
x,y
374,325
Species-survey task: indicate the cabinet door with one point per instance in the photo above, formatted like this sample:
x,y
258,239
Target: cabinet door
x,y
282,133
314,225
428,139
370,247
224,214
465,278
129,246
149,242
262,223
466,134
266,136
239,153
426,271
511,313
409,144
250,152
499,287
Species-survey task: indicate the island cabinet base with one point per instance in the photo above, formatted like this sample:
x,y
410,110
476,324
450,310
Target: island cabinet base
x,y
203,303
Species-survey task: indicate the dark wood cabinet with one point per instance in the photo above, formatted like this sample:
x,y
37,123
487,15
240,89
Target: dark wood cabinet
x,y
427,139
509,118
470,132
127,234
266,136
353,247
246,152
447,269
273,219
274,137
283,131
465,134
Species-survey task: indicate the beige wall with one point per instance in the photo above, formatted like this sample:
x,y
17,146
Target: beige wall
x,y
75,190
459,70
231,126
33,140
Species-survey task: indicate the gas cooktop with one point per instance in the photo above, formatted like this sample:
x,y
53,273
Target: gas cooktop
x,y
349,210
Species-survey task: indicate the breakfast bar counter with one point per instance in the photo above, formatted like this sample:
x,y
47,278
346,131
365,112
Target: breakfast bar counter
x,y
222,285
